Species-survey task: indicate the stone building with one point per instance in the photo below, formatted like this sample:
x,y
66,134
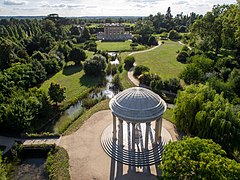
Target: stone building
x,y
114,32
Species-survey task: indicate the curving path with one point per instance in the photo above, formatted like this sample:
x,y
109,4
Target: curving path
x,y
130,72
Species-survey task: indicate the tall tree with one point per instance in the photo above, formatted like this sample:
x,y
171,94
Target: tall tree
x,y
56,93
77,55
201,112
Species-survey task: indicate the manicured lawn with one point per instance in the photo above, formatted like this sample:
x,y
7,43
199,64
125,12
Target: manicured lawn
x,y
126,83
162,60
117,46
169,115
75,82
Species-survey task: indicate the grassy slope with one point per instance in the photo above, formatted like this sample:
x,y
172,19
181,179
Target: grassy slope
x,y
116,46
58,164
75,82
162,60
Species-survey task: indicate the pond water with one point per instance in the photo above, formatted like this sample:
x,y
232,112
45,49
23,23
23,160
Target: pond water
x,y
31,169
107,92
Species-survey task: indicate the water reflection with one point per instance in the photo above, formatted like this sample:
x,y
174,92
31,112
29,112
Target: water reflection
x,y
32,169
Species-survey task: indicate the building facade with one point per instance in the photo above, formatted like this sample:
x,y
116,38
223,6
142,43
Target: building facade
x,y
114,32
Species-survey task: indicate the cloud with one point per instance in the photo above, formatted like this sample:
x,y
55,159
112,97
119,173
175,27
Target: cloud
x,y
14,2
62,6
180,2
144,1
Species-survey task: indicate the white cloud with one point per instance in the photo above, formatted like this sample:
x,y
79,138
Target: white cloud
x,y
14,2
107,7
180,2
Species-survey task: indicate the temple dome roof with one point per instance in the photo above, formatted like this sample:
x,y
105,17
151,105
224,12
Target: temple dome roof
x,y
138,105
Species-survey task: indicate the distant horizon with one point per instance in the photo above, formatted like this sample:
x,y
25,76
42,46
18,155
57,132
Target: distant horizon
x,y
83,8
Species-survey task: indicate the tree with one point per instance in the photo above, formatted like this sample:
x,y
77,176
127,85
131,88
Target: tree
x,y
75,30
192,74
129,61
201,112
152,41
85,33
95,66
174,35
144,27
195,158
21,113
117,82
234,80
56,93
217,28
77,55
146,78
3,173
49,26
138,70
182,57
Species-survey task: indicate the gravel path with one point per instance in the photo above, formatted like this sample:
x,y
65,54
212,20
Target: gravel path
x,y
88,160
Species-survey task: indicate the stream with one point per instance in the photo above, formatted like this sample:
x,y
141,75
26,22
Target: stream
x,y
107,92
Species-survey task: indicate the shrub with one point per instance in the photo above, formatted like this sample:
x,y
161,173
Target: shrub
x,y
129,61
156,86
182,57
117,82
174,35
140,69
88,102
172,85
185,48
147,77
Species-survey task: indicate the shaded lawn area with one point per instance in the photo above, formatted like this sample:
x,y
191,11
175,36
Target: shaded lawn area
x,y
117,46
162,60
75,82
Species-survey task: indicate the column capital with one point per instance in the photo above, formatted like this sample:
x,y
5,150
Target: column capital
x,y
148,123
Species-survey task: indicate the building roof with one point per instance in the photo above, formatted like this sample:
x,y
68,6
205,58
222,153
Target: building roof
x,y
137,105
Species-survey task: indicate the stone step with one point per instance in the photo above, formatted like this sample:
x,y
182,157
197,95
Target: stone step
x,y
128,157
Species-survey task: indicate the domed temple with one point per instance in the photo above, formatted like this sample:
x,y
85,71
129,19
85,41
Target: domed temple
x,y
136,136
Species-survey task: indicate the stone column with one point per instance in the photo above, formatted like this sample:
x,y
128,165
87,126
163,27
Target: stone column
x,y
148,124
156,130
133,137
160,128
133,146
114,128
120,138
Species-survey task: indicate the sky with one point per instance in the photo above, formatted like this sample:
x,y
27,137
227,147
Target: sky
x,y
68,8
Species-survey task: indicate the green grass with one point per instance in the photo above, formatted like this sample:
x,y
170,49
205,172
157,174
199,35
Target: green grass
x,y
126,83
162,60
89,54
58,164
103,105
169,115
77,84
117,46
65,121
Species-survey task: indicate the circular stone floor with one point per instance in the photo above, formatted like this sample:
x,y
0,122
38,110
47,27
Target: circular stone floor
x,y
141,156
88,160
